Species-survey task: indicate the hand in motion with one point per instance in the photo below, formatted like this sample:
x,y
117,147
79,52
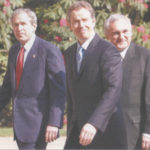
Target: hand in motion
x,y
51,133
145,142
87,134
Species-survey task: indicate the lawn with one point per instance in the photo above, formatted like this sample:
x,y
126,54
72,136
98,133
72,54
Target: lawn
x,y
8,131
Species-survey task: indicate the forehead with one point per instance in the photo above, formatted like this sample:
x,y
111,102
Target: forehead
x,y
80,13
120,25
22,17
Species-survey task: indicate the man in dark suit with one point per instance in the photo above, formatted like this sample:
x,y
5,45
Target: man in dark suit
x,y
93,86
35,80
135,96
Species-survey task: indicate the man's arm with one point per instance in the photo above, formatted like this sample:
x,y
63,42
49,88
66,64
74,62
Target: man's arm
x,y
112,82
146,132
112,77
56,80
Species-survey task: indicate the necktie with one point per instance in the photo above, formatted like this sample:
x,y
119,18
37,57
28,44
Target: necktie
x,y
80,57
19,66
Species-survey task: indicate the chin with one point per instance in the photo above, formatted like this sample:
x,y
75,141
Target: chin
x,y
122,46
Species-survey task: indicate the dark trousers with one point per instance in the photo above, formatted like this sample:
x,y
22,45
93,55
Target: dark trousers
x,y
114,136
139,143
40,144
72,141
100,141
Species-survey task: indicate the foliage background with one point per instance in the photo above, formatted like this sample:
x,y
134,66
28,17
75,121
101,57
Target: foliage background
x,y
52,26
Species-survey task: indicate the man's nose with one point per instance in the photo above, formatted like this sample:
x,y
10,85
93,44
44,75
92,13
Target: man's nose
x,y
19,27
121,35
81,23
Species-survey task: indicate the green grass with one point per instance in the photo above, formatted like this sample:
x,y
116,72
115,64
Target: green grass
x,y
63,131
8,131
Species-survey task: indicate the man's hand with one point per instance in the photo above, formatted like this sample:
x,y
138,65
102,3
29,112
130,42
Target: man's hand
x,y
87,134
51,133
145,142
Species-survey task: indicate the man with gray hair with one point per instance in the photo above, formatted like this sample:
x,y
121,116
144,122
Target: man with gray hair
x,y
35,80
135,96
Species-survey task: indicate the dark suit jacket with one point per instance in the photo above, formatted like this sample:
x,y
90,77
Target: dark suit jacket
x,y
39,100
94,92
136,92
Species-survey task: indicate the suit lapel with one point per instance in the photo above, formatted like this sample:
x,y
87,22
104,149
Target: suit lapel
x,y
128,60
32,54
129,55
30,58
89,50
13,62
77,75
74,62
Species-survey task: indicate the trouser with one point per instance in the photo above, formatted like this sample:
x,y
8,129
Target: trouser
x,y
99,142
114,136
38,145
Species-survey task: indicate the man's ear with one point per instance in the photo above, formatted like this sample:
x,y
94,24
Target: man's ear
x,y
34,26
107,35
94,21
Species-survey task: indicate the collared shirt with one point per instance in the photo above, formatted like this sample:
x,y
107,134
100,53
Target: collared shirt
x,y
85,44
28,47
123,53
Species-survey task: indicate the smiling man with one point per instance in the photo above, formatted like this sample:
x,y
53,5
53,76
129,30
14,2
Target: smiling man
x,y
135,95
94,75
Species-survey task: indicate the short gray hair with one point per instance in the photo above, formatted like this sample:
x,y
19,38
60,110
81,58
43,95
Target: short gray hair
x,y
29,12
113,18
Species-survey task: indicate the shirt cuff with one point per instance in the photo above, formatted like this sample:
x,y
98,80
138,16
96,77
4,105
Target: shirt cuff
x,y
146,135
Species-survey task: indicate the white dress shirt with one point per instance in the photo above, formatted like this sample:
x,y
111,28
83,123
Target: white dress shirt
x,y
85,44
28,46
123,53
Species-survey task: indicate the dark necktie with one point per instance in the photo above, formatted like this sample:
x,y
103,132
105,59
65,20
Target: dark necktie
x,y
19,66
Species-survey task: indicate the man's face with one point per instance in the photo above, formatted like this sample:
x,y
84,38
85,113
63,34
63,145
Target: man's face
x,y
22,27
120,34
82,24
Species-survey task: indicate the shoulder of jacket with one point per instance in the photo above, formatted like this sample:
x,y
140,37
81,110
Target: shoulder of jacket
x,y
142,50
70,49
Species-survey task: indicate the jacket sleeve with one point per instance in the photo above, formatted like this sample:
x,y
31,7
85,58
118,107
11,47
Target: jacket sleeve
x,y
111,70
68,97
146,96
57,85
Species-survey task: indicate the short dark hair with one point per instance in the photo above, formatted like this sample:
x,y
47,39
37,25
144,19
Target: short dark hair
x,y
78,5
